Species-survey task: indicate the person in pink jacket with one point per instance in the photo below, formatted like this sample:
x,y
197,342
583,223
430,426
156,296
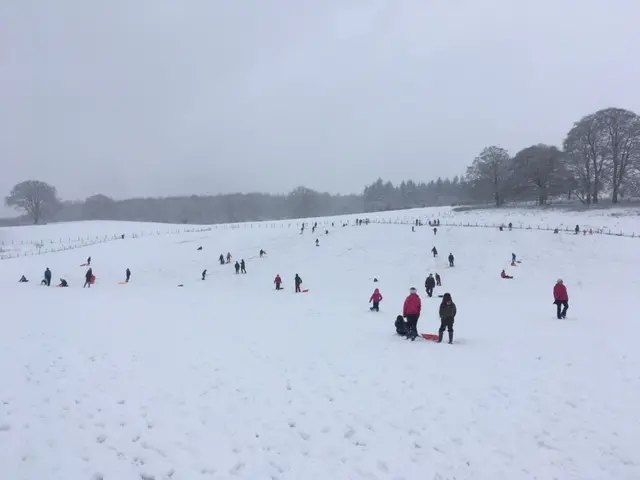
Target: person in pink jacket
x,y
411,311
376,298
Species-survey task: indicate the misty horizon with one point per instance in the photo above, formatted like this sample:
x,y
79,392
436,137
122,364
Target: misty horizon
x,y
155,99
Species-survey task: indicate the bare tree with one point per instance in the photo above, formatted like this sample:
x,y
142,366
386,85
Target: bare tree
x,y
540,171
489,172
620,134
35,198
587,154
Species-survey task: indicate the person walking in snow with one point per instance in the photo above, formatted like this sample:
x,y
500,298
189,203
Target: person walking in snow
x,y
88,277
435,230
228,257
278,281
447,313
204,274
47,277
451,259
237,266
513,258
89,261
561,299
262,253
221,259
411,311
128,275
376,298
438,281
429,285
298,283
243,266
317,242
434,250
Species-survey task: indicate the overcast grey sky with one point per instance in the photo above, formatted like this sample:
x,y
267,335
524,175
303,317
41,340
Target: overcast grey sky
x,y
159,97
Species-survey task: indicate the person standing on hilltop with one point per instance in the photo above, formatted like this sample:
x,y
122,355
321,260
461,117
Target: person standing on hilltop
x,y
411,311
561,299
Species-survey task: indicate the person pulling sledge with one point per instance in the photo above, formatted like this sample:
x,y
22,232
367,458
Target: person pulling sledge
x,y
88,278
451,259
561,299
429,285
278,281
504,275
401,326
298,283
447,313
411,311
237,267
376,298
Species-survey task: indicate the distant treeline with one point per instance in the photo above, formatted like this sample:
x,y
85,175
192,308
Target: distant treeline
x,y
600,158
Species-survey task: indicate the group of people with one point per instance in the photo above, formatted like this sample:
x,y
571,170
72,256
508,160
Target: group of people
x,y
89,277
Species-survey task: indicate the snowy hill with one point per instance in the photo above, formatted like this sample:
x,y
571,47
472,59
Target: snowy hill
x,y
227,378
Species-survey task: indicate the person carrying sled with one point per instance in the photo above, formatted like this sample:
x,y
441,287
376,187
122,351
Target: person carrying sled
x,y
243,266
561,299
278,281
429,285
237,267
434,250
504,275
298,283
47,277
411,311
451,259
438,281
204,274
401,326
376,298
447,313
88,277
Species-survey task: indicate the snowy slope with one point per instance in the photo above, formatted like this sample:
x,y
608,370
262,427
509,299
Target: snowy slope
x,y
227,378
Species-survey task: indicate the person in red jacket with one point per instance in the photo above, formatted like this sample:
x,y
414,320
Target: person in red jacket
x,y
411,311
376,298
278,282
561,299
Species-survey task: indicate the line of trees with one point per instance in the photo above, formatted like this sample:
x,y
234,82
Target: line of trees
x,y
600,156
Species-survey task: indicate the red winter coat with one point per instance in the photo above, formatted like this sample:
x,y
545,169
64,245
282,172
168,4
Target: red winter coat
x,y
278,280
560,293
412,305
376,297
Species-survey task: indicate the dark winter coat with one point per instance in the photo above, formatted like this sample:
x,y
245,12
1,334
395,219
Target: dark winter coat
x,y
430,282
47,274
298,280
88,275
448,310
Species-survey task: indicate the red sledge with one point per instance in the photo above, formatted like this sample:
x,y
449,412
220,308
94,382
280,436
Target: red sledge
x,y
93,280
431,337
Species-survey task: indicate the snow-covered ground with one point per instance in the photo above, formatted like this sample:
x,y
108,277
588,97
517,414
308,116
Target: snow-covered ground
x,y
228,378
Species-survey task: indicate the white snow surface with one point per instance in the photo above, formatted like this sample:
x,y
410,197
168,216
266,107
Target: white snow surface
x,y
229,379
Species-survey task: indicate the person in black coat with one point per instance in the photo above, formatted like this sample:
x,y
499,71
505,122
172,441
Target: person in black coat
x,y
128,274
447,313
430,284
87,278
401,326
47,277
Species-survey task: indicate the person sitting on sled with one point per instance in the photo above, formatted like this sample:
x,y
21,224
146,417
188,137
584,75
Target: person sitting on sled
x,y
63,283
23,279
376,298
504,275
401,326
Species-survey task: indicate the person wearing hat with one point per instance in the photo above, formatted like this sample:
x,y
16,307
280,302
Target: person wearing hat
x,y
561,299
411,311
447,312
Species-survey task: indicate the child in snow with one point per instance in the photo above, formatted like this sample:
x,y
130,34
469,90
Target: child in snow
x,y
561,299
447,313
376,298
278,281
504,275
401,326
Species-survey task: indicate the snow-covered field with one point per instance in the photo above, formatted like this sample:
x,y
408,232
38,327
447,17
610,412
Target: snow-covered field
x,y
227,378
